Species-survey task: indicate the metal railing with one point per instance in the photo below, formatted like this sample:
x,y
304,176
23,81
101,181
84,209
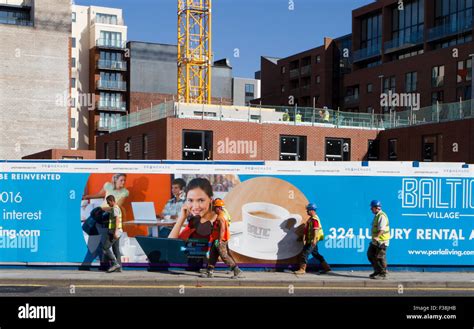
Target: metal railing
x,y
111,43
111,106
305,116
455,26
112,65
113,85
366,53
407,40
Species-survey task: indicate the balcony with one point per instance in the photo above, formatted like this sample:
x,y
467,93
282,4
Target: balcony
x,y
450,28
366,53
112,85
408,40
294,73
104,126
111,106
351,99
306,70
111,43
112,65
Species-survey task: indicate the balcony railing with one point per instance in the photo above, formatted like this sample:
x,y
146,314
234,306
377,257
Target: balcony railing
x,y
111,43
456,26
306,70
14,21
112,85
366,53
309,116
112,65
112,106
294,73
351,99
408,40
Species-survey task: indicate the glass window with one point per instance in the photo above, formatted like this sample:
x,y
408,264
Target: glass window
x,y
197,145
370,87
437,76
73,123
393,149
117,149
411,82
407,24
373,150
73,62
73,42
145,147
293,148
73,143
106,18
73,82
464,72
106,150
338,149
73,17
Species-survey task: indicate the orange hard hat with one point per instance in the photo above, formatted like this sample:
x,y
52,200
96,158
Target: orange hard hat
x,y
218,203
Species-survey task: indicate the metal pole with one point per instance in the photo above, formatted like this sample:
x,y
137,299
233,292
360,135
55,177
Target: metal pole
x,y
314,111
260,111
437,110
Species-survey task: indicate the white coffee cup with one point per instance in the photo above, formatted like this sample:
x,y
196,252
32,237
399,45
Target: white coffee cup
x,y
264,225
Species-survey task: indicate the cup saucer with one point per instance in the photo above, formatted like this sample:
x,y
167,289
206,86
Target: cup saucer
x,y
288,248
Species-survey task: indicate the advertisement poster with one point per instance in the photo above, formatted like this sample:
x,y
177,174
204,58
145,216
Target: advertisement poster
x,y
43,208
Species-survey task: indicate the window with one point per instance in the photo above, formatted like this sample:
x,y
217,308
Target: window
x,y
73,62
318,59
117,149
73,143
407,24
392,149
318,79
411,82
338,149
389,85
110,39
129,148
145,147
73,17
453,13
282,88
436,97
73,102
371,34
73,42
430,148
370,88
197,145
73,123
16,16
283,70
293,148
437,76
106,18
106,150
249,92
464,93
373,150
464,72
73,82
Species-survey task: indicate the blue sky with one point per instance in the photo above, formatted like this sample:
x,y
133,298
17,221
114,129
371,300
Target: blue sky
x,y
255,27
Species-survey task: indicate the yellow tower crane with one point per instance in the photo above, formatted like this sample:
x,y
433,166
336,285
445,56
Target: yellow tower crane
x,y
194,51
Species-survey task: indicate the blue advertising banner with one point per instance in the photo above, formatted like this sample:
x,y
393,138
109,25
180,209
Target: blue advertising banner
x,y
44,206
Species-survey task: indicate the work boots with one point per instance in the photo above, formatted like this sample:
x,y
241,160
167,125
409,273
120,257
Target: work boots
x,y
237,273
302,269
326,268
208,274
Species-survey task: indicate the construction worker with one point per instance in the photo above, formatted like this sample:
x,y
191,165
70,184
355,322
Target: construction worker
x,y
286,116
313,233
219,243
377,253
298,117
222,208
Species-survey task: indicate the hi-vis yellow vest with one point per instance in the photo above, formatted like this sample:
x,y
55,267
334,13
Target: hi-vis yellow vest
x,y
375,229
310,231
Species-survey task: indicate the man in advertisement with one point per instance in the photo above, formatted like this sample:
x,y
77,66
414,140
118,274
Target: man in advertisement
x,y
313,233
377,253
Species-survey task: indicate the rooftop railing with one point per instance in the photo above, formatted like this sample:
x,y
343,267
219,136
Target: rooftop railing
x,y
302,116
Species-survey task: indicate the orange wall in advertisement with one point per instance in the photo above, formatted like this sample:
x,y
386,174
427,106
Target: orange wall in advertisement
x,y
142,188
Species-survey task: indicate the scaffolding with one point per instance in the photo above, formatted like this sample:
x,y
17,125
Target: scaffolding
x,y
194,51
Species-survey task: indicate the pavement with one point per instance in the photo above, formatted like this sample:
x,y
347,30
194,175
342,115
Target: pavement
x,y
47,282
